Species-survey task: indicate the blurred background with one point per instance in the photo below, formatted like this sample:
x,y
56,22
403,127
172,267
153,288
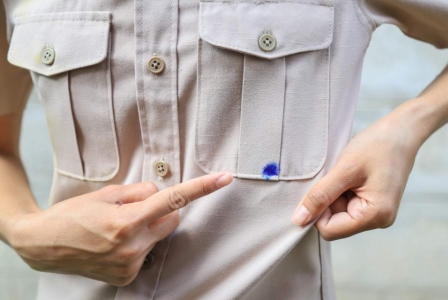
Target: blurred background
x,y
407,261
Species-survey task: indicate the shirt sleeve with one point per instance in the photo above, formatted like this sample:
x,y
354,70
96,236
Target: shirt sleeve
x,y
15,83
425,20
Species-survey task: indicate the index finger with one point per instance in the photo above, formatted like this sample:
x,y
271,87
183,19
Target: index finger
x,y
359,217
178,196
324,193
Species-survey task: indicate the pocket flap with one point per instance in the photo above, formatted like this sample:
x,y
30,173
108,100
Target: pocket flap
x,y
78,40
297,27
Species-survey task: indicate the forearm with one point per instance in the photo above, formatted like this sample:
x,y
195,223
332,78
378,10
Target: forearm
x,y
436,95
364,188
15,194
419,118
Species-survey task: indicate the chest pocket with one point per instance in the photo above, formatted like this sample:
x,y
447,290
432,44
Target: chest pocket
x,y
263,88
68,56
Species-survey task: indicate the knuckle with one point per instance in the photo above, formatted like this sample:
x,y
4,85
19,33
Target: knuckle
x,y
112,188
327,236
128,271
384,217
333,234
150,187
126,255
104,247
318,199
119,230
118,282
124,281
325,233
127,274
36,266
135,268
177,199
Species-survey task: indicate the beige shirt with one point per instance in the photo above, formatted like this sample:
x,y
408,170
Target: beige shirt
x,y
263,89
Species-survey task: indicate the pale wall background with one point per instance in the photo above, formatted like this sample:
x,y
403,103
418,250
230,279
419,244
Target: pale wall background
x,y
407,261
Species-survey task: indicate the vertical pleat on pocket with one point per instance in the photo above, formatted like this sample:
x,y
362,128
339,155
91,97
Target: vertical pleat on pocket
x,y
262,105
55,95
263,113
219,109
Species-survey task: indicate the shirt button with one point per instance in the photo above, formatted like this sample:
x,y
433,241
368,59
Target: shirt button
x,y
149,261
156,65
267,42
47,56
161,168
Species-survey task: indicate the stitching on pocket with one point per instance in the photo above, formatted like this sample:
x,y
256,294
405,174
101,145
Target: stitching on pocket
x,y
198,109
77,64
279,53
59,19
111,119
324,150
114,134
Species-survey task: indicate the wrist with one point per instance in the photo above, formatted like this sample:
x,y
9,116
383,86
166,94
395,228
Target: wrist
x,y
418,119
13,227
27,237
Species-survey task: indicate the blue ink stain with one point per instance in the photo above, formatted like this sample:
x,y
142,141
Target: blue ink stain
x,y
271,169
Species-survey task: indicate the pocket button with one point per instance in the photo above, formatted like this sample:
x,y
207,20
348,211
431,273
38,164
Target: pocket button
x,y
267,42
156,65
48,56
161,168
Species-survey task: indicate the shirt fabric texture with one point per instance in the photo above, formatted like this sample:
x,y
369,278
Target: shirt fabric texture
x,y
276,120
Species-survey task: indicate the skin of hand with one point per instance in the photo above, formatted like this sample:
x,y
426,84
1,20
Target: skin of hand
x,y
364,188
105,235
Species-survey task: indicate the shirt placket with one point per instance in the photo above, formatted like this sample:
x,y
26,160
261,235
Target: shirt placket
x,y
156,25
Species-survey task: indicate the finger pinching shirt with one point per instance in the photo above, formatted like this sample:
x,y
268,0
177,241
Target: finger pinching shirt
x,y
165,91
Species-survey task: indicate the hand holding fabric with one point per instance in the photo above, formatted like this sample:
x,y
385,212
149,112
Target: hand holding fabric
x,y
363,190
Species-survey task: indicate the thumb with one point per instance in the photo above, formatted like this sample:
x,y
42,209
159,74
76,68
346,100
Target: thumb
x,y
130,193
322,194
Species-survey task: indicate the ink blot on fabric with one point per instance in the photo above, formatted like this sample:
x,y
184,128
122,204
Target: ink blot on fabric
x,y
271,169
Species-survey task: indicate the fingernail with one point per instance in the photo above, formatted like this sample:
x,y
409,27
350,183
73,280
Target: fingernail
x,y
224,180
301,215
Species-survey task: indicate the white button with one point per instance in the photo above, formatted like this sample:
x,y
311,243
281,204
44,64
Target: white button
x,y
156,65
47,56
267,42
161,168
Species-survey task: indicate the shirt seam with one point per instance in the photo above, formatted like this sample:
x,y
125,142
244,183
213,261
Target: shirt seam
x,y
366,14
367,22
321,267
175,124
